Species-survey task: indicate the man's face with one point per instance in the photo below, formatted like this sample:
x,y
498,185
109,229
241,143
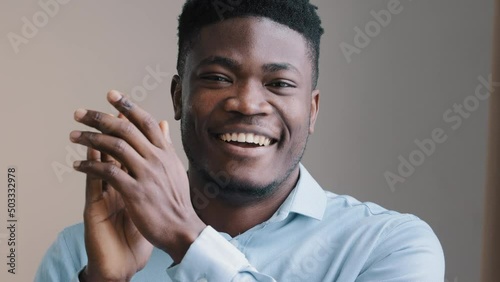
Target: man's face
x,y
246,104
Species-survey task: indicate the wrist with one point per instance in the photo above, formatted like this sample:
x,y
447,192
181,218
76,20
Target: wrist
x,y
185,238
86,276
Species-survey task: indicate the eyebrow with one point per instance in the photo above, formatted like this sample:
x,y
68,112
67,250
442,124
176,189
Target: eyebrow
x,y
218,60
276,67
234,65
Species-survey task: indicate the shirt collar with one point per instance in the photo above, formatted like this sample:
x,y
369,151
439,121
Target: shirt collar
x,y
307,198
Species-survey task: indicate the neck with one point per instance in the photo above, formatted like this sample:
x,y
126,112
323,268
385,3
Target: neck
x,y
231,214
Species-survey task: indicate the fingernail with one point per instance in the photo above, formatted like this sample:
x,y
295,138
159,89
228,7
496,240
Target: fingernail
x,y
114,96
74,135
80,113
76,164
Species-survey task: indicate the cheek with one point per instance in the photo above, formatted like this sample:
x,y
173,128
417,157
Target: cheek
x,y
202,102
297,118
300,133
195,111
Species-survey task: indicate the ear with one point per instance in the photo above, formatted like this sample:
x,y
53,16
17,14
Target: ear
x,y
176,92
314,110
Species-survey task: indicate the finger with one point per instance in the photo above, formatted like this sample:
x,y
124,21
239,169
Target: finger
x,y
166,131
93,191
142,119
110,145
117,127
117,202
121,181
120,115
108,159
93,155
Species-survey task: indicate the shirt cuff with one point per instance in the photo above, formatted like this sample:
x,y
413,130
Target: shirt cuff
x,y
210,258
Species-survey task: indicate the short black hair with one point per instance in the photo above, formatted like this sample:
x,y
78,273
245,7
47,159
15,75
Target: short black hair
x,y
299,15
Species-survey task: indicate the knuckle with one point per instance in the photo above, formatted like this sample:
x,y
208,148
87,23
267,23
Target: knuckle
x,y
106,128
111,170
93,138
157,158
148,122
86,165
119,146
126,128
96,116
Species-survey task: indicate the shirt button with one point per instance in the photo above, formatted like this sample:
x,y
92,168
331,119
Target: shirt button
x,y
202,280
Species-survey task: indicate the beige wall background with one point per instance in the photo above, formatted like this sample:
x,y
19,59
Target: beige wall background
x,y
394,89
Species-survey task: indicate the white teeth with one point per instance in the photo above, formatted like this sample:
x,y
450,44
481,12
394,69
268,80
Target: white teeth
x,y
263,141
246,138
249,138
242,137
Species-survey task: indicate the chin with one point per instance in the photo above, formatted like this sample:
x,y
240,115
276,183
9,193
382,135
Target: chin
x,y
244,191
254,184
240,184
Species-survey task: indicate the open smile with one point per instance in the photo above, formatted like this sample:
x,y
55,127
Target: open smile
x,y
247,139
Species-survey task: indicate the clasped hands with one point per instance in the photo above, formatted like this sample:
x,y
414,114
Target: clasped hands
x,y
137,192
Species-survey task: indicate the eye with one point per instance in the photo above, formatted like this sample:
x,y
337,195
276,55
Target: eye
x,y
215,78
281,84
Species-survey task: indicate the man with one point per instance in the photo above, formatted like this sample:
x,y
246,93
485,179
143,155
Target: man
x,y
247,210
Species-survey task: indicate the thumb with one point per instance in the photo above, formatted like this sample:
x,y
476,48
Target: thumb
x,y
165,130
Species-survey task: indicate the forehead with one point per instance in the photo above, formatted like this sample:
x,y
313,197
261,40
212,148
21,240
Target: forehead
x,y
252,40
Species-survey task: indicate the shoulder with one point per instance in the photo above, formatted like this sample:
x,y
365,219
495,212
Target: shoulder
x,y
72,238
65,257
401,242
73,234
373,218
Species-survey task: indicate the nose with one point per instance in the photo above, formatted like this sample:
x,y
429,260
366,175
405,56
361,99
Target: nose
x,y
250,99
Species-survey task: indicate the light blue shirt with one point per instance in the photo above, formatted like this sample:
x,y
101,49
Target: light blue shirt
x,y
314,236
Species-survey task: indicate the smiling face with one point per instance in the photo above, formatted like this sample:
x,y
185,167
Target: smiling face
x,y
246,105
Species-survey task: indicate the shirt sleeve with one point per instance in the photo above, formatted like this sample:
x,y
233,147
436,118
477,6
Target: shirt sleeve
x,y
409,252
58,263
212,258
